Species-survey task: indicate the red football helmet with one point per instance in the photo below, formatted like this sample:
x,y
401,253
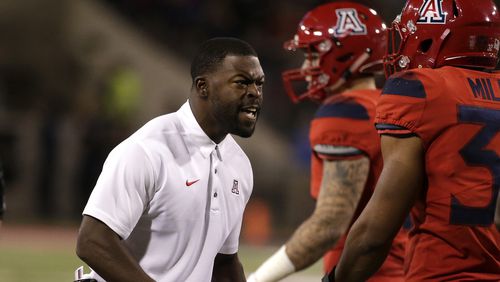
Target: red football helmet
x,y
435,33
341,40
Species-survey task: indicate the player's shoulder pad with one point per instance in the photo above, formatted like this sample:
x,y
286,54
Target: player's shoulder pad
x,y
346,108
411,83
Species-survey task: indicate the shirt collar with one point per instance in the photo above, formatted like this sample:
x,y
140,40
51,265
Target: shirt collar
x,y
196,136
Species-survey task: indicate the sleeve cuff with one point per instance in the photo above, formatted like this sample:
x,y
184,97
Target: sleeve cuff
x,y
392,129
330,277
119,229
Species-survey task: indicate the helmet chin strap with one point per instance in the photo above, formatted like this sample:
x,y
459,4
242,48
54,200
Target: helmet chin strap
x,y
352,69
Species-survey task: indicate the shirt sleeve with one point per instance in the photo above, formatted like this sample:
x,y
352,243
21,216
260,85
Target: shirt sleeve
x,y
232,242
341,127
412,104
123,190
339,131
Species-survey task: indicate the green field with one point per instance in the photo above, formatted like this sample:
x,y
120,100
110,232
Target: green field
x,y
46,254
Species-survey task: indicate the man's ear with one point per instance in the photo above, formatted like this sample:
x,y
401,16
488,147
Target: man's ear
x,y
201,86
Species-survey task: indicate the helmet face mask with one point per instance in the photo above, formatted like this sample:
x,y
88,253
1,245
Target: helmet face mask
x,y
435,33
340,41
309,73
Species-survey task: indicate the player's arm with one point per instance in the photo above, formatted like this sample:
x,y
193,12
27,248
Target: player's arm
x,y
102,249
497,213
341,188
370,237
227,268
343,181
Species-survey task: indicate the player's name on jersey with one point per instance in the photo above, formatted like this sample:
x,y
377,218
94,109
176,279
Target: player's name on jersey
x,y
482,88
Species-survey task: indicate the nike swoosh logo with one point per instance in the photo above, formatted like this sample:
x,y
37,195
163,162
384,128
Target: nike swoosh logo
x,y
189,183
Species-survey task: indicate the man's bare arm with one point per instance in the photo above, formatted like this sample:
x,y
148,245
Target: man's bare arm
x,y
102,249
342,184
370,237
227,268
341,188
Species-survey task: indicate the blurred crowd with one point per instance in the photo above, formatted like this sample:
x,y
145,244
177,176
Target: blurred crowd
x,y
64,106
180,25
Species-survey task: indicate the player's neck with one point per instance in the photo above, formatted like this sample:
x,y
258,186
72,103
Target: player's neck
x,y
362,83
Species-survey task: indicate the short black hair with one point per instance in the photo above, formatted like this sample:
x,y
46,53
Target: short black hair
x,y
213,51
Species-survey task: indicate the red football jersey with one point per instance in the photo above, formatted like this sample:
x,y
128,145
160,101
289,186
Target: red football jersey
x,y
456,113
347,120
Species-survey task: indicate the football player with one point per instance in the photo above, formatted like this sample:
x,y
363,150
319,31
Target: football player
x,y
343,43
439,117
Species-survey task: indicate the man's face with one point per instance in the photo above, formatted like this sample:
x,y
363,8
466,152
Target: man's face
x,y
236,94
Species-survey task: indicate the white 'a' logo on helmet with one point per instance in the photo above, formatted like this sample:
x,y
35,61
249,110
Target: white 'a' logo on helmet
x,y
431,12
348,23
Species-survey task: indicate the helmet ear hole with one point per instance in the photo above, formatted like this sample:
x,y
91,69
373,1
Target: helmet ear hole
x,y
425,45
344,58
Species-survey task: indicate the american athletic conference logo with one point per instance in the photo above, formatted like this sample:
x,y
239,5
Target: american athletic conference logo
x,y
431,12
348,23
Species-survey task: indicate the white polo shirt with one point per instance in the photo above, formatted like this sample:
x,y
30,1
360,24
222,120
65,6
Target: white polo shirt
x,y
174,196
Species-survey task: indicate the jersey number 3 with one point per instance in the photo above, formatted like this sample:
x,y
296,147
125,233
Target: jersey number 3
x,y
475,154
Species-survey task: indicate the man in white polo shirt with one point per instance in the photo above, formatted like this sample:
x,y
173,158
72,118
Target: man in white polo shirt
x,y
169,202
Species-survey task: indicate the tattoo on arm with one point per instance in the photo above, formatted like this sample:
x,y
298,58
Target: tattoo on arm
x,y
341,188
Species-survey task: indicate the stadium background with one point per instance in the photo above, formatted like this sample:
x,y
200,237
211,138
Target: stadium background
x,y
76,77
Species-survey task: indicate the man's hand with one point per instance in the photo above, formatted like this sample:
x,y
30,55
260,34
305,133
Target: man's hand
x,y
81,277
